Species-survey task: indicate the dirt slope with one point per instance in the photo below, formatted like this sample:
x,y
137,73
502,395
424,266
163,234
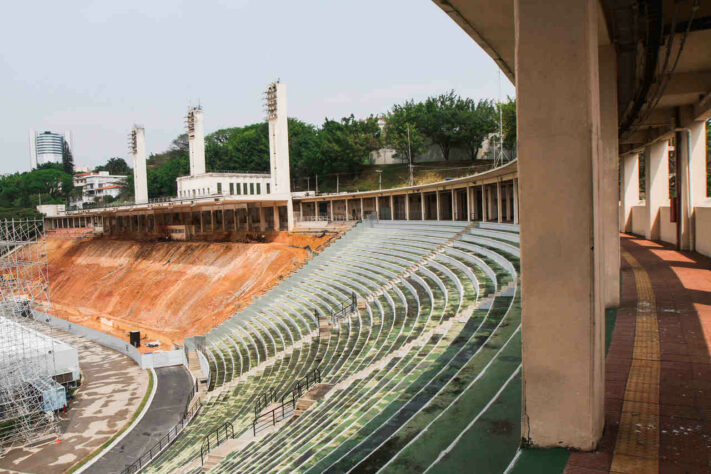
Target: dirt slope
x,y
168,290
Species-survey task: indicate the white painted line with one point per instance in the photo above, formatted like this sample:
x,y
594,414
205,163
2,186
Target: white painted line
x,y
128,430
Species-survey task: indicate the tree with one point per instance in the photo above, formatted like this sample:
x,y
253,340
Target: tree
x,y
440,121
478,120
345,145
115,166
401,120
67,159
508,118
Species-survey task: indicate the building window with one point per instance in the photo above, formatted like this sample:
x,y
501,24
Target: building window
x,y
219,188
239,188
268,188
251,188
244,188
259,188
232,188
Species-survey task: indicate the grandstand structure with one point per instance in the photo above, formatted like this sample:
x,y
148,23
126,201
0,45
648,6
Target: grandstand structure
x,y
435,327
28,393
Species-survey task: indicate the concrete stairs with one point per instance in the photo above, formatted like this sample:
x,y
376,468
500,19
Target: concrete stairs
x,y
314,394
196,370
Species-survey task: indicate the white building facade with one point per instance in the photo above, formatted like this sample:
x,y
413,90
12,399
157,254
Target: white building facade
x,y
224,184
96,186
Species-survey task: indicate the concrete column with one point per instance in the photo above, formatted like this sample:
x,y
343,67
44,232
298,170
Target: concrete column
x,y
235,216
407,207
438,211
362,210
657,177
202,224
489,203
377,206
609,182
558,144
392,208
275,213
515,201
301,211
499,207
692,153
348,216
422,206
330,208
454,206
262,220
630,189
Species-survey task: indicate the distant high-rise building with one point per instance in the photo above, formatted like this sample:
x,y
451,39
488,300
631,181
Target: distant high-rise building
x,y
47,147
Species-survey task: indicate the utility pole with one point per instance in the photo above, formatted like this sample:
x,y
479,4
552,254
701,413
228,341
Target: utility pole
x,y
316,184
338,183
409,155
380,179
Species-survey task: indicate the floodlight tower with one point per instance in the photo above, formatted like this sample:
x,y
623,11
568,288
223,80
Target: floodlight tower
x,y
279,145
138,150
196,141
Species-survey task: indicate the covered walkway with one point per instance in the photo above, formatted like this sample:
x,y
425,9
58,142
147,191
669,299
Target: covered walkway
x,y
658,373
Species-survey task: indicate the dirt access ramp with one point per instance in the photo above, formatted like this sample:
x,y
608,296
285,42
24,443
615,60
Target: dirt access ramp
x,y
167,290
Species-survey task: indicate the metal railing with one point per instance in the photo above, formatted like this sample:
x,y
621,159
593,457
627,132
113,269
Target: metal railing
x,y
288,402
148,456
347,307
301,385
216,438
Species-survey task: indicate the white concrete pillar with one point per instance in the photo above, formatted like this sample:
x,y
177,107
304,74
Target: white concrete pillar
x,y
196,141
454,206
278,139
362,210
499,207
392,208
422,206
657,189
330,209
140,179
630,189
692,153
438,206
348,216
407,207
558,128
469,204
484,204
377,207
515,201
276,217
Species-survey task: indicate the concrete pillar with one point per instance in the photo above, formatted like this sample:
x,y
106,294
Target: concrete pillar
x,y
196,141
657,178
202,224
558,127
422,206
362,210
348,216
630,189
330,208
212,220
301,211
262,220
275,213
438,211
469,204
515,201
499,207
454,206
692,153
235,216
609,182
377,207
407,207
392,208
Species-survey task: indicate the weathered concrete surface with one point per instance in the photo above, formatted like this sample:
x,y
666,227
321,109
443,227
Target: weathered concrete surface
x,y
173,390
168,290
113,387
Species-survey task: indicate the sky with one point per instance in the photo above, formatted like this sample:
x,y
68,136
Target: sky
x,y
98,67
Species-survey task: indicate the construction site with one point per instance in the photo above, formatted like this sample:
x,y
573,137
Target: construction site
x,y
535,315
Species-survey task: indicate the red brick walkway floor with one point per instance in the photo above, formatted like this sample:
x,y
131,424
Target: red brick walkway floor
x,y
658,379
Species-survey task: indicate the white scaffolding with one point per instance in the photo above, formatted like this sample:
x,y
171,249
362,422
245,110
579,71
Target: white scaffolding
x,y
26,355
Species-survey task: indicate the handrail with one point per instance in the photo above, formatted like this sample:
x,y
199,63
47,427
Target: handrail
x,y
206,446
270,396
347,307
148,456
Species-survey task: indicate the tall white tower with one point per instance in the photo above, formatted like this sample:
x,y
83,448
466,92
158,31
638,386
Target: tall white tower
x,y
138,149
196,141
279,145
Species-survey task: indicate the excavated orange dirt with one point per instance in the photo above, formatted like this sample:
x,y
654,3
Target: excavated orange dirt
x,y
167,290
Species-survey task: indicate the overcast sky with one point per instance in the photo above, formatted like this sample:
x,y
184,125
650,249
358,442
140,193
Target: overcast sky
x,y
97,67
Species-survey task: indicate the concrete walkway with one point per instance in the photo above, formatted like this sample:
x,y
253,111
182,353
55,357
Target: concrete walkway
x,y
658,387
172,394
112,388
